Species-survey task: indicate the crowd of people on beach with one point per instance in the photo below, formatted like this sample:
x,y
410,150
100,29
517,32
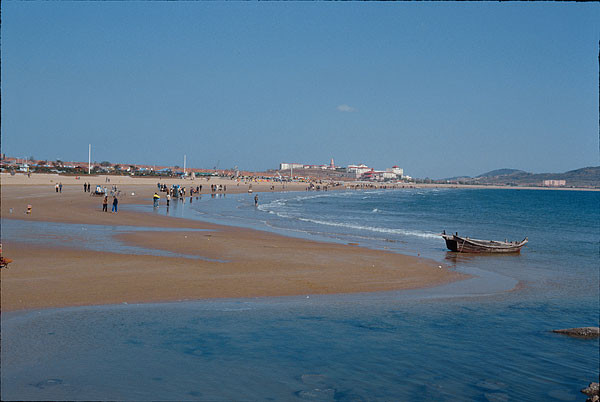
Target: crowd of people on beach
x,y
178,193
114,192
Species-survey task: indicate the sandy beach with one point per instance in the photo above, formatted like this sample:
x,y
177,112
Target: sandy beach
x,y
250,263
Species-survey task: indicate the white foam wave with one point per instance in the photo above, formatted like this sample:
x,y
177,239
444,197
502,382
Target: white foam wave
x,y
373,228
270,205
311,197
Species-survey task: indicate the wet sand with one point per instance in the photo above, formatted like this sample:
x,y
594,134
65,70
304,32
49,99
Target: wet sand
x,y
257,263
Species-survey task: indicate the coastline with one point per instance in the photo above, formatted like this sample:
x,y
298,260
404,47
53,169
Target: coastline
x,y
21,179
255,263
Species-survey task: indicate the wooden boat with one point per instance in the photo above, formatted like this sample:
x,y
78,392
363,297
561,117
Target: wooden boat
x,y
454,242
4,261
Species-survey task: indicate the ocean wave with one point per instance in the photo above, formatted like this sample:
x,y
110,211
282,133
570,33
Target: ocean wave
x,y
273,206
310,197
372,228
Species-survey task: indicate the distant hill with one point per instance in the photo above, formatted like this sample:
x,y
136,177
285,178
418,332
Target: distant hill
x,y
457,178
584,177
501,172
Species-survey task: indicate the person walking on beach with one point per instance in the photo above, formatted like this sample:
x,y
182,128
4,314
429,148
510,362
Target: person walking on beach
x,y
168,199
85,187
105,204
115,204
60,187
156,198
256,200
56,187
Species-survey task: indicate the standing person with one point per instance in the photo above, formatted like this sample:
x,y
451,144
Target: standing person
x,y
156,198
85,187
56,187
105,204
60,187
168,199
115,204
256,200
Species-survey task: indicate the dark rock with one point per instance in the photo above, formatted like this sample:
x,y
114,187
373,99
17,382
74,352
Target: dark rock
x,y
582,332
592,389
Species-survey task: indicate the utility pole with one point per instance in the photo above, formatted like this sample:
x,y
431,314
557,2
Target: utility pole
x,y
184,160
90,159
291,171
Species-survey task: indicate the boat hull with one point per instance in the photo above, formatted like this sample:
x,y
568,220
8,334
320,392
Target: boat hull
x,y
466,245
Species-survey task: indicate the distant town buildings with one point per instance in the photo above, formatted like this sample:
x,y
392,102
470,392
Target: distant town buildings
x,y
297,170
359,172
364,172
555,183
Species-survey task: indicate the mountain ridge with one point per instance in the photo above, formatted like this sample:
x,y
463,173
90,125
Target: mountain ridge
x,y
584,177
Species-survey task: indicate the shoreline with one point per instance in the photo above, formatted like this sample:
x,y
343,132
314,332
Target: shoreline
x,y
21,179
260,264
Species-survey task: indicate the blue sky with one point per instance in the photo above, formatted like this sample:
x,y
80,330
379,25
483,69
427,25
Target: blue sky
x,y
441,89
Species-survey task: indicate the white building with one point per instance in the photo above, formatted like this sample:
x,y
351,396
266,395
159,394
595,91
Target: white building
x,y
288,166
555,183
358,170
396,170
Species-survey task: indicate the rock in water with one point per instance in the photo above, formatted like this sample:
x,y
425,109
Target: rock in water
x,y
593,391
582,332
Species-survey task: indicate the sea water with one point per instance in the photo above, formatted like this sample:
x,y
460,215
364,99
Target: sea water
x,y
486,340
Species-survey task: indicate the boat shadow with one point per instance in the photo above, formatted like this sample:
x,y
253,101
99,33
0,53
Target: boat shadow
x,y
454,257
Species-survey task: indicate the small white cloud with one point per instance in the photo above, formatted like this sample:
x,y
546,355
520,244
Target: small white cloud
x,y
345,108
